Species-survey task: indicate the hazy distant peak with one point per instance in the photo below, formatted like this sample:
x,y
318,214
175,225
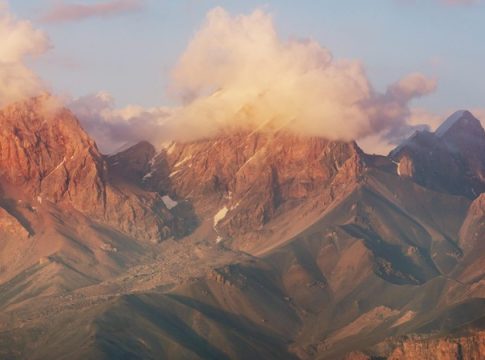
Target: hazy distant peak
x,y
463,116
449,160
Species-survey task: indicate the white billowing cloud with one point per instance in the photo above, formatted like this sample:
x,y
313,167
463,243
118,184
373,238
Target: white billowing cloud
x,y
113,128
236,71
62,12
19,40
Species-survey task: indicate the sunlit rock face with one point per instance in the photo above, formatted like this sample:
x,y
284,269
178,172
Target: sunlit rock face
x,y
470,346
45,153
255,175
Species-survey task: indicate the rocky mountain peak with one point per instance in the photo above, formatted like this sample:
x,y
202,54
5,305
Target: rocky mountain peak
x,y
461,121
44,149
47,157
133,164
449,160
251,177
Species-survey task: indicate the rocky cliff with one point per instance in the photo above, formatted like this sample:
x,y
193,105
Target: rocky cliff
x,y
248,179
46,154
470,347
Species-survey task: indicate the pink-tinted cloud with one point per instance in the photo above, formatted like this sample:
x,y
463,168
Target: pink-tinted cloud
x,y
20,40
236,72
62,12
412,86
114,128
443,2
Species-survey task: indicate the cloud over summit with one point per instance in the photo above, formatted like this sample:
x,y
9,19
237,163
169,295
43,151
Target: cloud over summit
x,y
113,128
237,71
19,40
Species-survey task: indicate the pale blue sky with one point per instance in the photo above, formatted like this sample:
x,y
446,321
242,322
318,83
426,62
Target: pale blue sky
x,y
130,55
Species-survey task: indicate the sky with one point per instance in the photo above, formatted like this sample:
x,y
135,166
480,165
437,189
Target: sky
x,y
130,49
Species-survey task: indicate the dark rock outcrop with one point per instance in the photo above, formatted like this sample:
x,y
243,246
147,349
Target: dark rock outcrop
x,y
450,160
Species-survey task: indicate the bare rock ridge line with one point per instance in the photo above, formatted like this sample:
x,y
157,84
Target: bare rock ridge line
x,y
450,160
254,176
51,158
245,245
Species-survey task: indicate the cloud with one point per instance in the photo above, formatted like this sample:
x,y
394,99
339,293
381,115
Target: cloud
x,y
394,119
237,73
19,41
113,128
412,86
444,2
62,12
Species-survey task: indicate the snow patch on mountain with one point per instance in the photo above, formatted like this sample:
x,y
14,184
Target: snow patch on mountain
x,y
148,175
57,167
169,202
221,214
183,161
174,173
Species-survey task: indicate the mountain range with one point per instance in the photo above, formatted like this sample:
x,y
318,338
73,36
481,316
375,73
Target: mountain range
x,y
246,245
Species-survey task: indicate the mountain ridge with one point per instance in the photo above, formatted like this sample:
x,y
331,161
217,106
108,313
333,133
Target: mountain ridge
x,y
263,245
448,160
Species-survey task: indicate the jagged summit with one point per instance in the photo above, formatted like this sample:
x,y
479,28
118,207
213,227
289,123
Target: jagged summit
x,y
450,159
450,121
460,121
44,149
47,156
132,163
254,176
